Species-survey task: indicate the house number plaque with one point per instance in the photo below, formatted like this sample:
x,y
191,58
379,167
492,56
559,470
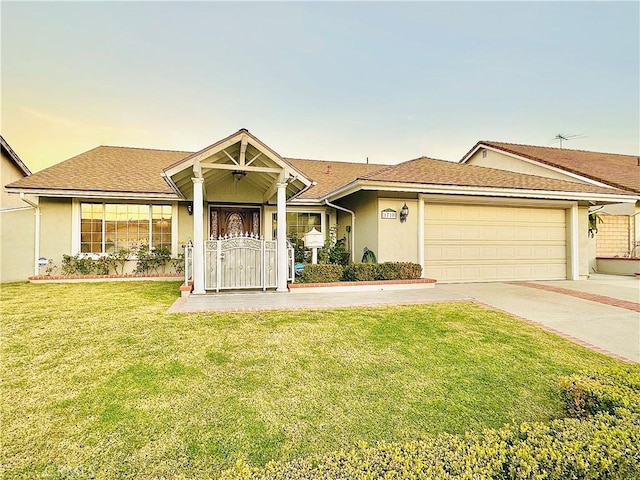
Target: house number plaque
x,y
389,213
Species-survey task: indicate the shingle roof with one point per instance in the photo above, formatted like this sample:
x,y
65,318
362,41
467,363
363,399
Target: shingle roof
x,y
440,172
138,170
620,171
329,175
107,169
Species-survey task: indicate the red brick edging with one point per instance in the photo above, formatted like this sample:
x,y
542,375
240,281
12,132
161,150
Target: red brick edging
x,y
355,284
614,302
106,277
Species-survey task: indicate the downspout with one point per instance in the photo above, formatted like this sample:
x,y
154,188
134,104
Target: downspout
x,y
353,227
36,244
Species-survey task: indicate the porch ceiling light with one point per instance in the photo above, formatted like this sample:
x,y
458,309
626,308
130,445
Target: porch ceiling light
x,y
404,213
238,174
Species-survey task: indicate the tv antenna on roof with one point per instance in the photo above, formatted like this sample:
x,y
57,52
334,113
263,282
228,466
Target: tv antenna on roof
x,y
560,137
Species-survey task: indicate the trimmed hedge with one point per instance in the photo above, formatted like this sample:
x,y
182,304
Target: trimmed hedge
x,y
321,273
603,445
362,272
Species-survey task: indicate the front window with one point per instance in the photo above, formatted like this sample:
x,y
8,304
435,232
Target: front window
x,y
299,223
109,227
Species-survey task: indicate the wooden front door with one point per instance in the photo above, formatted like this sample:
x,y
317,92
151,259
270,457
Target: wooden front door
x,y
233,221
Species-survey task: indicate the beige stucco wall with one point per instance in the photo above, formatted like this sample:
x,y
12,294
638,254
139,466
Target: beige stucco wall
x,y
55,228
17,240
185,225
365,207
9,173
502,161
398,242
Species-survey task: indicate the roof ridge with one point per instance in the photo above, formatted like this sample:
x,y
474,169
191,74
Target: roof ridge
x,y
139,148
336,161
485,142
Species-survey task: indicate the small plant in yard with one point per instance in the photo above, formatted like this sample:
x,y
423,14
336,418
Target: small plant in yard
x,y
51,268
152,259
178,263
119,260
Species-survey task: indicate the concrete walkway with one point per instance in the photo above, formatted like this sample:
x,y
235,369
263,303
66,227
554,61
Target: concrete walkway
x,y
600,313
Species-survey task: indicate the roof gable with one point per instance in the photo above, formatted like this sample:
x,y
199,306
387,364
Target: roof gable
x,y
13,157
619,171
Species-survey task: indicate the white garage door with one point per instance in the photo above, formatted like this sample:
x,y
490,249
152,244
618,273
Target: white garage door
x,y
476,243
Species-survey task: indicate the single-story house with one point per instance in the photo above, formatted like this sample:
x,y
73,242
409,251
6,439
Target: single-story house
x,y
460,222
17,234
618,225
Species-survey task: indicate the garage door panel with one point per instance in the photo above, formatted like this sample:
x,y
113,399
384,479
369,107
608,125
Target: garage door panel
x,y
486,243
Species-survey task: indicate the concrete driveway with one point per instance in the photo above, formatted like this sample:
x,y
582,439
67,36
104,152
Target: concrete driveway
x,y
602,312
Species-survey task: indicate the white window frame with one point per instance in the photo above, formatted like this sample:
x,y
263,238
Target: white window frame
x,y
76,209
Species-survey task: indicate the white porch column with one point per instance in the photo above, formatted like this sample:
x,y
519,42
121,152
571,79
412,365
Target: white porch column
x,y
198,236
574,238
421,233
282,237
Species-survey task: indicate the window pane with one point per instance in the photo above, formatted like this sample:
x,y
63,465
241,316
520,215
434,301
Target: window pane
x,y
91,215
161,226
299,223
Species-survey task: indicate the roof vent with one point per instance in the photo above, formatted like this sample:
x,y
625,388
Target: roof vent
x,y
328,172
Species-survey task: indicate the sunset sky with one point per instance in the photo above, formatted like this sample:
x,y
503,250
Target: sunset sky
x,y
322,80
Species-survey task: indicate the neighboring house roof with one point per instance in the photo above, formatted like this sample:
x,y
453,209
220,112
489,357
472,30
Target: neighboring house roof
x,y
13,156
440,172
620,171
107,169
329,176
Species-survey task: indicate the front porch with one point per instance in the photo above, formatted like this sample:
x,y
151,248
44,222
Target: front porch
x,y
230,185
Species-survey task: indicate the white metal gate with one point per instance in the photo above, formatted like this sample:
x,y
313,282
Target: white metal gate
x,y
240,261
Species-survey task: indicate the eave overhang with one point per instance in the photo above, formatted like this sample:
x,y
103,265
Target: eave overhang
x,y
369,185
61,193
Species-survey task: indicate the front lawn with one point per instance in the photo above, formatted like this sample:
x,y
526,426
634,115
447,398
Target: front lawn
x,y
98,381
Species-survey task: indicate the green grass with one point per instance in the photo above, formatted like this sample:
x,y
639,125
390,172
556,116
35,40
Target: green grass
x,y
99,381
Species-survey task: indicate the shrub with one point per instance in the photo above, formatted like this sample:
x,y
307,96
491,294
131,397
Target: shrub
x,y
360,272
321,273
119,259
398,271
152,259
604,445
178,263
79,265
602,391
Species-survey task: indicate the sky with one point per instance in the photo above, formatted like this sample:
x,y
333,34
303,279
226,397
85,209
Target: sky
x,y
387,81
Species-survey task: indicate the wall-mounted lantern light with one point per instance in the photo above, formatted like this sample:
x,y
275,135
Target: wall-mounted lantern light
x,y
190,208
404,213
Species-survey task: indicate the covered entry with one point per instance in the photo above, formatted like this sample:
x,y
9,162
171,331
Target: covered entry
x,y
235,177
475,243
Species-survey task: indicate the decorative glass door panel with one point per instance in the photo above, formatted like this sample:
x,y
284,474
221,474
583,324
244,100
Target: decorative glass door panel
x,y
233,221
